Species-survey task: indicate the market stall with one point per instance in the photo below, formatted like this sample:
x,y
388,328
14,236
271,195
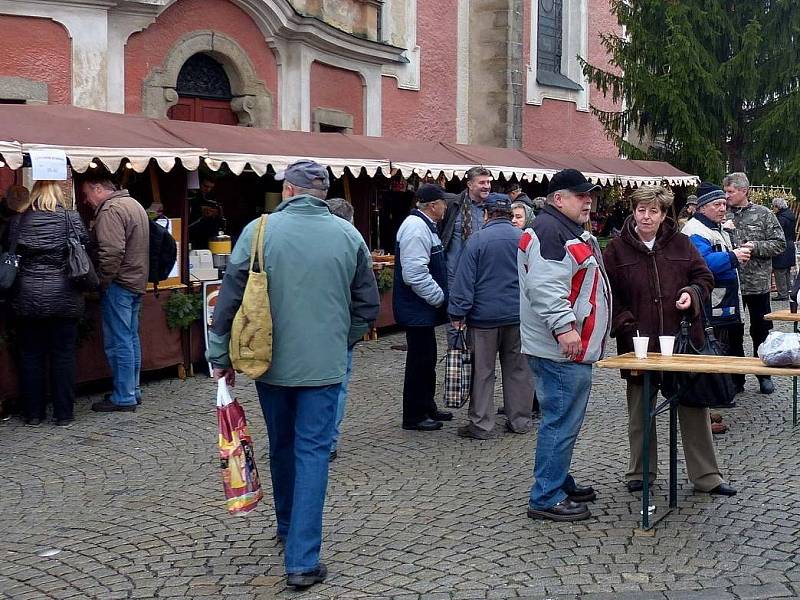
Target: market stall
x,y
164,162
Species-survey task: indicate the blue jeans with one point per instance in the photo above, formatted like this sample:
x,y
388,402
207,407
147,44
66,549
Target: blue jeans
x,y
563,391
300,423
342,405
120,311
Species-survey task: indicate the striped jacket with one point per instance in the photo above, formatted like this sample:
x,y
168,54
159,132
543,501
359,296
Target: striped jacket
x,y
563,286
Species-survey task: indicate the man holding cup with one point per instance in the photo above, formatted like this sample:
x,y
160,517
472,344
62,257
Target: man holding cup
x,y
706,232
756,228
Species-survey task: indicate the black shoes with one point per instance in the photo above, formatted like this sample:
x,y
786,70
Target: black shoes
x,y
33,421
765,385
582,494
634,485
469,431
334,454
566,510
723,489
108,397
304,580
441,415
108,406
426,425
64,422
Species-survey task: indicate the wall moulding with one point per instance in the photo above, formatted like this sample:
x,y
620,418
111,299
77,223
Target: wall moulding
x,y
252,101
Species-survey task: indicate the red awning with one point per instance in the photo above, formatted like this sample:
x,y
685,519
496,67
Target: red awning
x,y
112,138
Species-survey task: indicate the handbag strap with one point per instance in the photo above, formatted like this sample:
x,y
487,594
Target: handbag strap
x,y
71,232
257,245
13,231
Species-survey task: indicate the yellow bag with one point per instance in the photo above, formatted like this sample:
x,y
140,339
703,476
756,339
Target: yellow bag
x,y
251,334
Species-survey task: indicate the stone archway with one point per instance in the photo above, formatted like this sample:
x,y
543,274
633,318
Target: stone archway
x,y
252,101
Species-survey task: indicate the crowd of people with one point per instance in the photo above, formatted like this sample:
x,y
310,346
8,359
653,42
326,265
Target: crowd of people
x,y
522,280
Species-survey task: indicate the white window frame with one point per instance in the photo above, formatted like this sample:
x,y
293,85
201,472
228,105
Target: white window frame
x,y
575,41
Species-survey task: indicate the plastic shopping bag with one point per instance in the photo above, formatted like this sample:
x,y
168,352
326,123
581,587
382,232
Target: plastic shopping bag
x,y
236,455
780,349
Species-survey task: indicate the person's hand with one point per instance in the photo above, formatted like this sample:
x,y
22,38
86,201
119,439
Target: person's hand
x,y
457,325
684,302
229,374
742,254
570,344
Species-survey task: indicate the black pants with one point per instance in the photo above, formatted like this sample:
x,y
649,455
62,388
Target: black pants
x,y
732,339
419,385
758,306
40,339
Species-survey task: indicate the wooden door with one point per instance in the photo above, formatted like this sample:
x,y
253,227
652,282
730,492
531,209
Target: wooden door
x,y
203,110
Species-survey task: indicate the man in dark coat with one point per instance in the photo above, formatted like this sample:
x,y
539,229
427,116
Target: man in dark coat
x,y
783,263
485,296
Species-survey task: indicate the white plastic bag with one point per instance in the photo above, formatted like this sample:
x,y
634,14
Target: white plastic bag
x,y
780,349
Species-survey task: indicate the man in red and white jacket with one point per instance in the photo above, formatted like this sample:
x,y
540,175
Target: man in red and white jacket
x,y
565,308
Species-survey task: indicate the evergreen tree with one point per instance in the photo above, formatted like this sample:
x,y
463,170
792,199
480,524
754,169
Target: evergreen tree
x,y
708,85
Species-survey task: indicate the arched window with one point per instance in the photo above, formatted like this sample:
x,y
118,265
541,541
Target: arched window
x,y
204,92
203,77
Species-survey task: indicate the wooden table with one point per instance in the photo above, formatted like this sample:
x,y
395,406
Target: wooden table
x,y
787,315
689,363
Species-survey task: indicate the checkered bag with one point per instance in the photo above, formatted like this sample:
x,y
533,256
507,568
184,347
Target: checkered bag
x,y
458,373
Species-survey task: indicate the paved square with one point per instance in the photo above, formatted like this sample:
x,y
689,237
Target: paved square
x,y
130,505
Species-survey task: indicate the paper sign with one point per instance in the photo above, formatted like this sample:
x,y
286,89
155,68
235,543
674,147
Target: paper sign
x,y
48,165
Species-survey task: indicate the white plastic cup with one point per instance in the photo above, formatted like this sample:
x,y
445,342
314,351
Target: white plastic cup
x,y
667,343
640,346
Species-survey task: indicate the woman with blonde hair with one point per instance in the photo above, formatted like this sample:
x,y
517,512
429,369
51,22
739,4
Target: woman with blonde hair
x,y
657,277
46,305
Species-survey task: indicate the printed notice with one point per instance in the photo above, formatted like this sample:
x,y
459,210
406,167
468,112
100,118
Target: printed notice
x,y
48,165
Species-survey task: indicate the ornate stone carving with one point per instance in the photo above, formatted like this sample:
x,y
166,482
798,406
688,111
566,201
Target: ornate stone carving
x,y
159,89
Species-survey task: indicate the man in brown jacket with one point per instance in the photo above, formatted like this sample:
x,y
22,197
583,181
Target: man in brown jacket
x,y
121,239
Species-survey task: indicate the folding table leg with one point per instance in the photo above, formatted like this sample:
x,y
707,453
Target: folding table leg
x,y
648,423
673,454
794,388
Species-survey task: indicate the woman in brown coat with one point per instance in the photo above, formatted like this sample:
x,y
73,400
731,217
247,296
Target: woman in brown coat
x,y
657,276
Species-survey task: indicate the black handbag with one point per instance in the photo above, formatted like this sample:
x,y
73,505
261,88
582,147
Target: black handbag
x,y
80,269
704,390
9,260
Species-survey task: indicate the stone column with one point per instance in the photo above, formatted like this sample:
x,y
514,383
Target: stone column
x,y
294,84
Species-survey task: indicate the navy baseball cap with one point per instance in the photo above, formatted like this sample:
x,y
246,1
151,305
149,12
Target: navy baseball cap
x,y
572,180
305,173
430,192
497,202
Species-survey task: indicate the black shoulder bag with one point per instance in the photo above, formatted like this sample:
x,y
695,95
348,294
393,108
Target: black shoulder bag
x,y
704,390
80,269
9,260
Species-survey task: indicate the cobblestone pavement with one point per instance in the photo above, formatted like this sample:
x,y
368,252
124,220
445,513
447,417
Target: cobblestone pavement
x,y
132,502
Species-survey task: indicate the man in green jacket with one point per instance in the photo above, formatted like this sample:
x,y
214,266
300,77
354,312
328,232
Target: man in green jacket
x,y
322,296
755,227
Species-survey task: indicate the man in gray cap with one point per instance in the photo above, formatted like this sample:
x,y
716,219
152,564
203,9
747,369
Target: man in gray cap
x,y
322,296
485,296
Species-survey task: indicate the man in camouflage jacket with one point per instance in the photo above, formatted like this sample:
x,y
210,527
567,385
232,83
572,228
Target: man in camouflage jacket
x,y
756,227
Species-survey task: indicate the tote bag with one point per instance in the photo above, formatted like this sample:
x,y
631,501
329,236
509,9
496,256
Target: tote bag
x,y
458,373
250,346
